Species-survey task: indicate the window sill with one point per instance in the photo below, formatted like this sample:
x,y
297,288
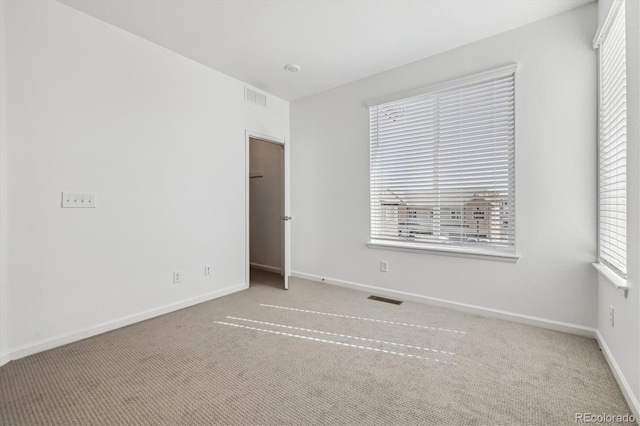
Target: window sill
x,y
614,279
445,251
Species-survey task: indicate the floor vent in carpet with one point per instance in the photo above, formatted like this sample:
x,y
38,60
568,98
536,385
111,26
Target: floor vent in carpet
x,y
385,300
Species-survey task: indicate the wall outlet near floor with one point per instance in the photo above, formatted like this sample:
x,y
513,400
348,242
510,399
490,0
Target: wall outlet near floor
x,y
177,277
207,270
611,315
384,266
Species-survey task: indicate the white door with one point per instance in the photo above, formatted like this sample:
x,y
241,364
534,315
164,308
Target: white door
x,y
286,264
285,232
285,218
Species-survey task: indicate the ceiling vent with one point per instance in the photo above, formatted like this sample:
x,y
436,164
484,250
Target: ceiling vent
x,y
255,97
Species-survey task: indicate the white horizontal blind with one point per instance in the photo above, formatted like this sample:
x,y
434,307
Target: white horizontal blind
x,y
443,167
613,147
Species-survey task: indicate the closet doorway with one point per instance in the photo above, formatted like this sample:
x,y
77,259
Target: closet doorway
x,y
267,219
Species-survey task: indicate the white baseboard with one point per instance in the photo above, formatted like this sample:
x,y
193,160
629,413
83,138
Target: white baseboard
x,y
564,327
266,268
631,399
4,358
91,331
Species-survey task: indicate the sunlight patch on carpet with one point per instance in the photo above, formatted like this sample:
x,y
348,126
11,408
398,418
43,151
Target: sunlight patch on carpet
x,y
290,327
332,342
428,327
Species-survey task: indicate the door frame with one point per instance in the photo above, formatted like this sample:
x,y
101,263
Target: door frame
x,y
250,134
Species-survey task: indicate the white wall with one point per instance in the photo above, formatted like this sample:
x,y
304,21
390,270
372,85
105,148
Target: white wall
x,y
622,342
266,204
4,357
159,138
603,9
555,175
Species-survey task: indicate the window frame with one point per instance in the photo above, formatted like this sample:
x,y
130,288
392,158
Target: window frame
x,y
477,251
614,275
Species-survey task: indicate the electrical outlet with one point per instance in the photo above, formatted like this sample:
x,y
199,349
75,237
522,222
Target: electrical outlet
x,y
611,315
384,266
177,277
207,270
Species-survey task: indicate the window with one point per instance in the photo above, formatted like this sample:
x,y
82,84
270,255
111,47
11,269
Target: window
x,y
443,167
613,144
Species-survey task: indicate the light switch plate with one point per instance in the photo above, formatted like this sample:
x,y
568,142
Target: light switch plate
x,y
83,200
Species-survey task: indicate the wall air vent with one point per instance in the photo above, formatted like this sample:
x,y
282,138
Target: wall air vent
x,y
255,97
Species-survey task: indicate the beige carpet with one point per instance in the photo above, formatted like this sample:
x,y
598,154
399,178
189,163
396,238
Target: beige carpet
x,y
315,354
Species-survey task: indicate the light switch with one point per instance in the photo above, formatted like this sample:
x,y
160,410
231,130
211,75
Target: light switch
x,y
78,200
